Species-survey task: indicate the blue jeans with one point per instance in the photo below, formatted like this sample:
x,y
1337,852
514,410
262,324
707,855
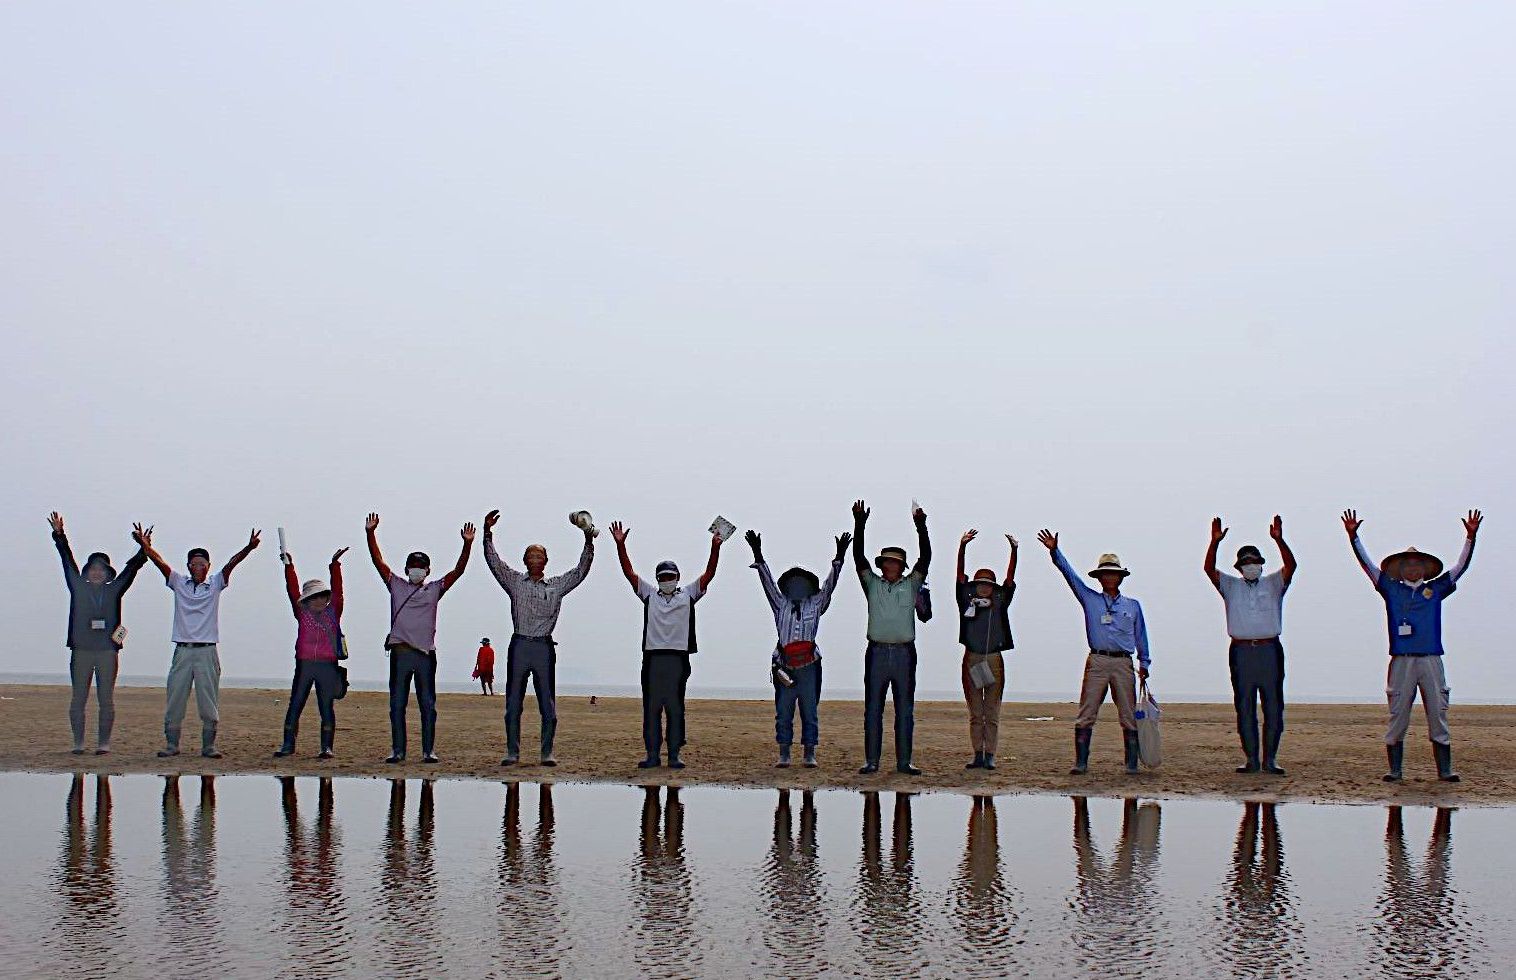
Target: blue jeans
x,y
888,665
806,691
321,675
407,664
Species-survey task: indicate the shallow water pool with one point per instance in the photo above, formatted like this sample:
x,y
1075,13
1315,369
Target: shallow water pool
x,y
256,876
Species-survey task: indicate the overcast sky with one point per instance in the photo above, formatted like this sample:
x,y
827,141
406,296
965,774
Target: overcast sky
x,y
1110,269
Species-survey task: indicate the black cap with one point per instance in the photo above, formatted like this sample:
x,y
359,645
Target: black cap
x,y
417,559
1248,555
197,553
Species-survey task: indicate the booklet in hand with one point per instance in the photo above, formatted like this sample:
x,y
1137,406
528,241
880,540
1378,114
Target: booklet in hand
x,y
723,527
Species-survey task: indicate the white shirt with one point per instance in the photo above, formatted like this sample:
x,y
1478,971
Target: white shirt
x,y
197,607
668,620
1254,610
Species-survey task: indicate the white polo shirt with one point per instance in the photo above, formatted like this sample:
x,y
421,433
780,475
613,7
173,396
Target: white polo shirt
x,y
668,621
197,607
1254,610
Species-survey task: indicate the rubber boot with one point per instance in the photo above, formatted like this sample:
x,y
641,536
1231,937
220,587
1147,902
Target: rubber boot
x,y
208,741
512,741
810,757
1271,752
978,762
1081,751
674,761
1444,754
1251,765
989,760
291,732
1129,742
170,743
784,758
1396,753
328,736
549,731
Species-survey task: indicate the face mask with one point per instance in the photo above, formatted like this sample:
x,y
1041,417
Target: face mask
x,y
1252,572
416,575
668,586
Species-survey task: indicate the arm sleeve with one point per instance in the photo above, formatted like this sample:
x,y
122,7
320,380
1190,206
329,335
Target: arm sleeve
x,y
696,591
1462,565
1365,562
129,571
504,574
770,587
292,587
828,587
644,591
924,551
1070,576
336,583
569,580
1141,629
70,568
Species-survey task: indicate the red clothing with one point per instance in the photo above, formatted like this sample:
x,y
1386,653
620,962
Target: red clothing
x,y
486,662
319,634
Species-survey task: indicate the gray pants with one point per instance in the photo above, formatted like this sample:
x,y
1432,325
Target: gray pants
x,y
1407,676
533,656
200,667
102,666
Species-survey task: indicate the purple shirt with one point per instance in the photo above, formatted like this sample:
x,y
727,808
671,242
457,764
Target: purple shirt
x,y
413,613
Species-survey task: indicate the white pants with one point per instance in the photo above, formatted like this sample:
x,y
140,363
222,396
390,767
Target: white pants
x,y
1408,675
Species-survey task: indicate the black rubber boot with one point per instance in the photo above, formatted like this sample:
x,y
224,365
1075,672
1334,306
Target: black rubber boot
x,y
989,760
512,741
1444,754
170,743
810,757
1396,753
291,732
1129,741
1271,752
784,758
675,762
1081,751
549,732
208,742
978,762
869,767
1251,765
328,736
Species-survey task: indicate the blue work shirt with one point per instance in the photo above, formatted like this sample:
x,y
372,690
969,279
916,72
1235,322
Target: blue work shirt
x,y
1127,631
1420,609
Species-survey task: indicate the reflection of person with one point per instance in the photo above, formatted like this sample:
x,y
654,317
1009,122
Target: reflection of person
x,y
1115,903
1413,587
1262,934
532,929
798,600
94,619
484,660
667,941
412,637
890,660
982,902
984,629
887,912
189,873
1114,629
1254,619
87,920
408,889
197,661
1422,928
793,886
668,639
535,604
312,858
317,606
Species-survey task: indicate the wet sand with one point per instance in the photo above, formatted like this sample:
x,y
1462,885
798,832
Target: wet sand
x,y
1332,753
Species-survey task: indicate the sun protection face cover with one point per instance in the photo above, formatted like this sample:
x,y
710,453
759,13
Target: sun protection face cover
x,y
1251,571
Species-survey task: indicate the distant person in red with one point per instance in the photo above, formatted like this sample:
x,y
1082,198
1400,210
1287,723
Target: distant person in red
x,y
484,667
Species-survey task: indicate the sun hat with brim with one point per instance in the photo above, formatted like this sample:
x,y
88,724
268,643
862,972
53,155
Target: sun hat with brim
x,y
314,588
1391,565
1248,555
890,554
1107,563
798,572
102,559
984,575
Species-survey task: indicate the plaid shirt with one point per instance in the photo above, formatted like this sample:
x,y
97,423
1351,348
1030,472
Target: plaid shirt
x,y
535,602
797,621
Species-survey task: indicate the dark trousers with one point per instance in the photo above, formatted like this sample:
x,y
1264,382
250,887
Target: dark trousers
x,y
886,666
806,692
664,676
407,664
101,666
321,675
536,657
1258,674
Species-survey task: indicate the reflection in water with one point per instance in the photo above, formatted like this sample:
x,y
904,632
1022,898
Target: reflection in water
x,y
886,911
1422,928
88,924
1262,930
191,921
317,916
1116,913
795,920
532,927
667,944
982,903
408,937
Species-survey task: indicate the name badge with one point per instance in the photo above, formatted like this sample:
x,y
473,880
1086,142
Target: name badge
x,y
1426,593
97,624
1405,629
1107,619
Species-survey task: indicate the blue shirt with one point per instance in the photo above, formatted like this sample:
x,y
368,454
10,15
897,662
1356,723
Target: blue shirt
x,y
1126,631
1419,608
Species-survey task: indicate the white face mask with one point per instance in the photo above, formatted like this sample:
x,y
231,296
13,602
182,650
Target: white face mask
x,y
416,575
668,586
1251,572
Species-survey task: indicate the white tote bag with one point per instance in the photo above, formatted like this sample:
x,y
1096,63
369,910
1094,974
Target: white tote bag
x,y
1149,736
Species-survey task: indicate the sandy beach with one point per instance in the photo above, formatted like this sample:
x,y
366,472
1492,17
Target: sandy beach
x,y
1332,752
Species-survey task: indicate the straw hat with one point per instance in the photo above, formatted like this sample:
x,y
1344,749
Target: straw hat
x,y
1391,565
314,588
1108,563
891,554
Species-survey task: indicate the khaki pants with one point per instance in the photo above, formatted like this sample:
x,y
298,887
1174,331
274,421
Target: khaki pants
x,y
1115,673
984,702
1407,675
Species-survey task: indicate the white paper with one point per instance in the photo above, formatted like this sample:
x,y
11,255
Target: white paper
x,y
723,527
282,548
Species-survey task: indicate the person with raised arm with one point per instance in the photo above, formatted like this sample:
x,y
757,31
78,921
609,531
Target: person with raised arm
x,y
798,600
668,639
1413,586
412,637
984,629
890,658
317,606
1115,630
196,636
95,635
1254,620
535,603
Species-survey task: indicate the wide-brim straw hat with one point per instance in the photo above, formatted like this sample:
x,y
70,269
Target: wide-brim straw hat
x,y
314,588
1108,563
891,554
1391,565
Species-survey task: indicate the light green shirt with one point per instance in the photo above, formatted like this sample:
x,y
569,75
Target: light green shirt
x,y
892,606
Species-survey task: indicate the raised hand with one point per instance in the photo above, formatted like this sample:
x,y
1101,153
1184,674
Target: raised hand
x,y
1351,523
1472,522
254,539
143,535
844,540
755,541
860,512
1276,529
1048,538
55,521
491,519
717,540
1217,531
619,532
285,558
337,555
467,533
1014,543
968,536
919,517
371,522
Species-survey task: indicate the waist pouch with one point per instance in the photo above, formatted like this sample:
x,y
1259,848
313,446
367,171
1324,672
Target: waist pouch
x,y
800,653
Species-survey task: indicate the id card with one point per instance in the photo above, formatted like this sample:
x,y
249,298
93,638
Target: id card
x,y
1405,629
1107,619
97,624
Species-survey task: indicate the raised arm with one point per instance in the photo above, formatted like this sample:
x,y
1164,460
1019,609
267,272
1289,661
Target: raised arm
x,y
830,585
1286,556
619,532
860,558
1471,531
253,540
144,536
765,575
710,564
1351,524
570,580
1050,541
291,583
503,572
963,548
923,544
133,565
335,580
467,534
1010,565
371,528
1217,533
60,540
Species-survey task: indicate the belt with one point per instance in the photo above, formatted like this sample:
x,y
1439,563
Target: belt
x,y
533,639
1110,653
1268,641
893,646
195,644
